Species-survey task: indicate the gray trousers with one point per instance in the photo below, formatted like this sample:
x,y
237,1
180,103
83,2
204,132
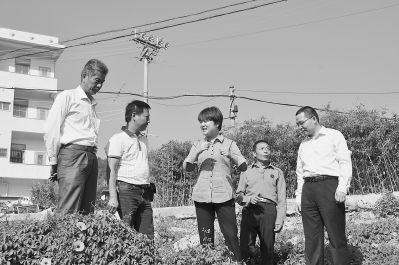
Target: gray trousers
x,y
77,179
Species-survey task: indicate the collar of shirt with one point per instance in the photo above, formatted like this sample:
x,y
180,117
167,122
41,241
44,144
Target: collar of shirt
x,y
322,131
261,166
131,134
219,138
82,95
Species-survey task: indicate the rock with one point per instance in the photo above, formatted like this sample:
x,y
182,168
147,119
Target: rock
x,y
186,242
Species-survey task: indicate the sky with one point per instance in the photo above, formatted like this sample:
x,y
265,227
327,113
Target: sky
x,y
297,46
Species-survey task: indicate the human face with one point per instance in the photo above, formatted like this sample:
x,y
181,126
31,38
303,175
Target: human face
x,y
141,120
307,125
262,152
209,129
92,83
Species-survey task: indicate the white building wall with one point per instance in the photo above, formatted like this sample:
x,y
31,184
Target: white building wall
x,y
17,179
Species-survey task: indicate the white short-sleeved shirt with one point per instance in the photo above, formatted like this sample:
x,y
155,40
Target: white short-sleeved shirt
x,y
132,150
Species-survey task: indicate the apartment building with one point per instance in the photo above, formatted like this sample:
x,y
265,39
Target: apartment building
x,y
27,90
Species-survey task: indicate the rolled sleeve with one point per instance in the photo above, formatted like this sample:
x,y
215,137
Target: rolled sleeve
x,y
345,163
241,198
115,147
192,157
281,199
299,174
236,155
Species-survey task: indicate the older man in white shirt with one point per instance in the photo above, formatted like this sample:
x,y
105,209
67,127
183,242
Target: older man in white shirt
x,y
324,171
70,136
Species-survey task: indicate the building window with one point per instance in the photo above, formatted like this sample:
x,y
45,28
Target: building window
x,y
22,65
39,157
20,107
42,113
4,105
17,153
20,111
3,152
44,71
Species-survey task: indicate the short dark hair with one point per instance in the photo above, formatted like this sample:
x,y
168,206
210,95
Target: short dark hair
x,y
92,66
136,106
211,114
309,112
258,142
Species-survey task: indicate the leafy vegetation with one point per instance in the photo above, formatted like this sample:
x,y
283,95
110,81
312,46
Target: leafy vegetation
x,y
75,239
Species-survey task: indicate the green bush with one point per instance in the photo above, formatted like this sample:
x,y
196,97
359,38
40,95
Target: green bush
x,y
75,239
45,194
387,205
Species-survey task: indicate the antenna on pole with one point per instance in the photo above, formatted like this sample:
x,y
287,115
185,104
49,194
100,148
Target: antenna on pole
x,y
150,48
233,109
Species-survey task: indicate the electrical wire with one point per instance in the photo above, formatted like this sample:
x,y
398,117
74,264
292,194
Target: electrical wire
x,y
285,27
142,25
149,30
319,93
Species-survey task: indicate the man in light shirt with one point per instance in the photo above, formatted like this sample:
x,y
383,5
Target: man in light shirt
x,y
324,171
129,185
70,136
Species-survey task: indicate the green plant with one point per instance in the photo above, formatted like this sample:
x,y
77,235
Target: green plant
x,y
387,205
75,239
45,194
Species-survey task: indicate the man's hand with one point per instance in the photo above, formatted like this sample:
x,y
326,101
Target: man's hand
x,y
255,199
298,207
278,227
53,173
204,146
225,153
112,205
340,196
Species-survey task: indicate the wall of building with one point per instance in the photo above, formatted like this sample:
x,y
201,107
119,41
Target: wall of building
x,y
17,187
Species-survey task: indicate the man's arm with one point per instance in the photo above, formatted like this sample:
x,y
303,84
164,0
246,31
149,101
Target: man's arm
x,y
52,131
237,157
241,199
281,202
299,175
345,167
113,163
195,151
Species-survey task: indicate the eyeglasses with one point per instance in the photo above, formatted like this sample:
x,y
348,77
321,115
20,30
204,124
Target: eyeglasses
x,y
301,123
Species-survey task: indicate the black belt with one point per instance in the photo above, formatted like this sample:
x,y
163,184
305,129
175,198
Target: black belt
x,y
91,149
319,178
143,186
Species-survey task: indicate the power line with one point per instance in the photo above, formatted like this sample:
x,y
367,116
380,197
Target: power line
x,y
143,25
150,30
194,95
287,26
320,93
188,95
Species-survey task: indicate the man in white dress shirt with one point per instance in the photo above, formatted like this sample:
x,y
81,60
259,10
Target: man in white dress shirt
x,y
324,171
70,136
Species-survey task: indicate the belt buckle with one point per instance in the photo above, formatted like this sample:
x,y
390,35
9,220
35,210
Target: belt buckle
x,y
262,199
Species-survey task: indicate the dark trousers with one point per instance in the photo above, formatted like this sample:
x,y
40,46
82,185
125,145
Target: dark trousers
x,y
135,203
77,179
319,210
227,221
258,220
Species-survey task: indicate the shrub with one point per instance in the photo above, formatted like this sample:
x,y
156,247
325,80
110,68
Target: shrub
x,y
45,194
75,239
387,205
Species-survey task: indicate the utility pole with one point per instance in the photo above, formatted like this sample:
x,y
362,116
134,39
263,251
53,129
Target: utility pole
x,y
150,48
233,109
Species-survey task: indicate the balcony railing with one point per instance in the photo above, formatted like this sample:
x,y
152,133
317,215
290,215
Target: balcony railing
x,y
30,113
29,157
